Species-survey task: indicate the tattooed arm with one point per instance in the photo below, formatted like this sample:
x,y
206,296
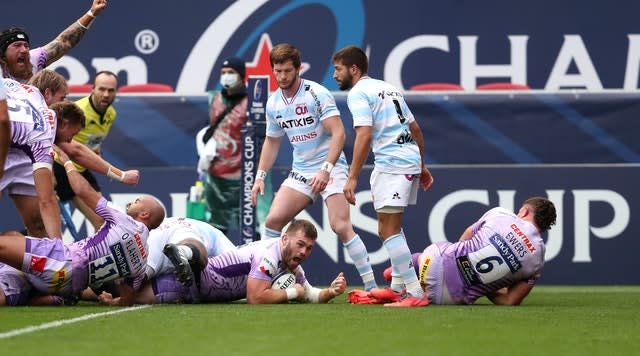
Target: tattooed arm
x,y
70,37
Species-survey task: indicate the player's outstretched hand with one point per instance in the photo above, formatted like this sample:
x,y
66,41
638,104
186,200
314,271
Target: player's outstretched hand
x,y
98,6
339,285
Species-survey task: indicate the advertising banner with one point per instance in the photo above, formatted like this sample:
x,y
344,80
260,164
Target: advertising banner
x,y
252,137
593,242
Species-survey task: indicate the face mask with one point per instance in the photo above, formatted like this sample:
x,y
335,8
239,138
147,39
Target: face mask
x,y
229,80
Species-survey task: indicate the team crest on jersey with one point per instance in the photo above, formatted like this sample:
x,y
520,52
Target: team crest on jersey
x,y
302,109
267,267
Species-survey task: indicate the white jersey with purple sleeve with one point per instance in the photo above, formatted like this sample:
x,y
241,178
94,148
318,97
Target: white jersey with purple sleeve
x,y
38,58
378,104
117,249
300,119
33,125
175,229
503,250
226,275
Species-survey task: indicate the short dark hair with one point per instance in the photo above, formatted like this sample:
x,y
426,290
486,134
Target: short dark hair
x,y
284,52
353,55
305,226
544,212
68,110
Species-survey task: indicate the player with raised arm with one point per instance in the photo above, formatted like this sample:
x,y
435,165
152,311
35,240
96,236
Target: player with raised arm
x,y
179,246
20,62
117,250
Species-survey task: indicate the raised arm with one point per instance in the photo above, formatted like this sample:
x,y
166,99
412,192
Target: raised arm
x,y
78,183
70,37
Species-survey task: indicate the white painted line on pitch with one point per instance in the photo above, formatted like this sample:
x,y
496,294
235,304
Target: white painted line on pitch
x,y
54,324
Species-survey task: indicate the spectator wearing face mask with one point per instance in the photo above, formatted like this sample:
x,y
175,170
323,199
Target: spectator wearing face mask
x,y
227,116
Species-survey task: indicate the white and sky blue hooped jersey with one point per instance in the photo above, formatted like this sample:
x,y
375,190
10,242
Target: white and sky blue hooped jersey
x,y
300,119
378,104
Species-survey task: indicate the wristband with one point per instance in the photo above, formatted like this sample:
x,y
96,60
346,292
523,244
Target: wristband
x,y
73,168
327,166
260,174
91,14
113,175
292,293
81,25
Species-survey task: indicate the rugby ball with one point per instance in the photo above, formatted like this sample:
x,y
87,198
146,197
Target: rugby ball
x,y
283,280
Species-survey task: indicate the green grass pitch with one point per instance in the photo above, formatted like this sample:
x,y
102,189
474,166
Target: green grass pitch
x,y
553,320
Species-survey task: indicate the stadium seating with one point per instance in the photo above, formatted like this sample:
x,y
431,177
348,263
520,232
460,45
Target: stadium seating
x,y
146,88
502,86
436,86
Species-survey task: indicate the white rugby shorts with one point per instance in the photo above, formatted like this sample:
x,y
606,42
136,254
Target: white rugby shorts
x,y
394,190
302,183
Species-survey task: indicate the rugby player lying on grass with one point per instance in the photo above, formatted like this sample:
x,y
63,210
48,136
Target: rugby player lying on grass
x,y
500,257
248,273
